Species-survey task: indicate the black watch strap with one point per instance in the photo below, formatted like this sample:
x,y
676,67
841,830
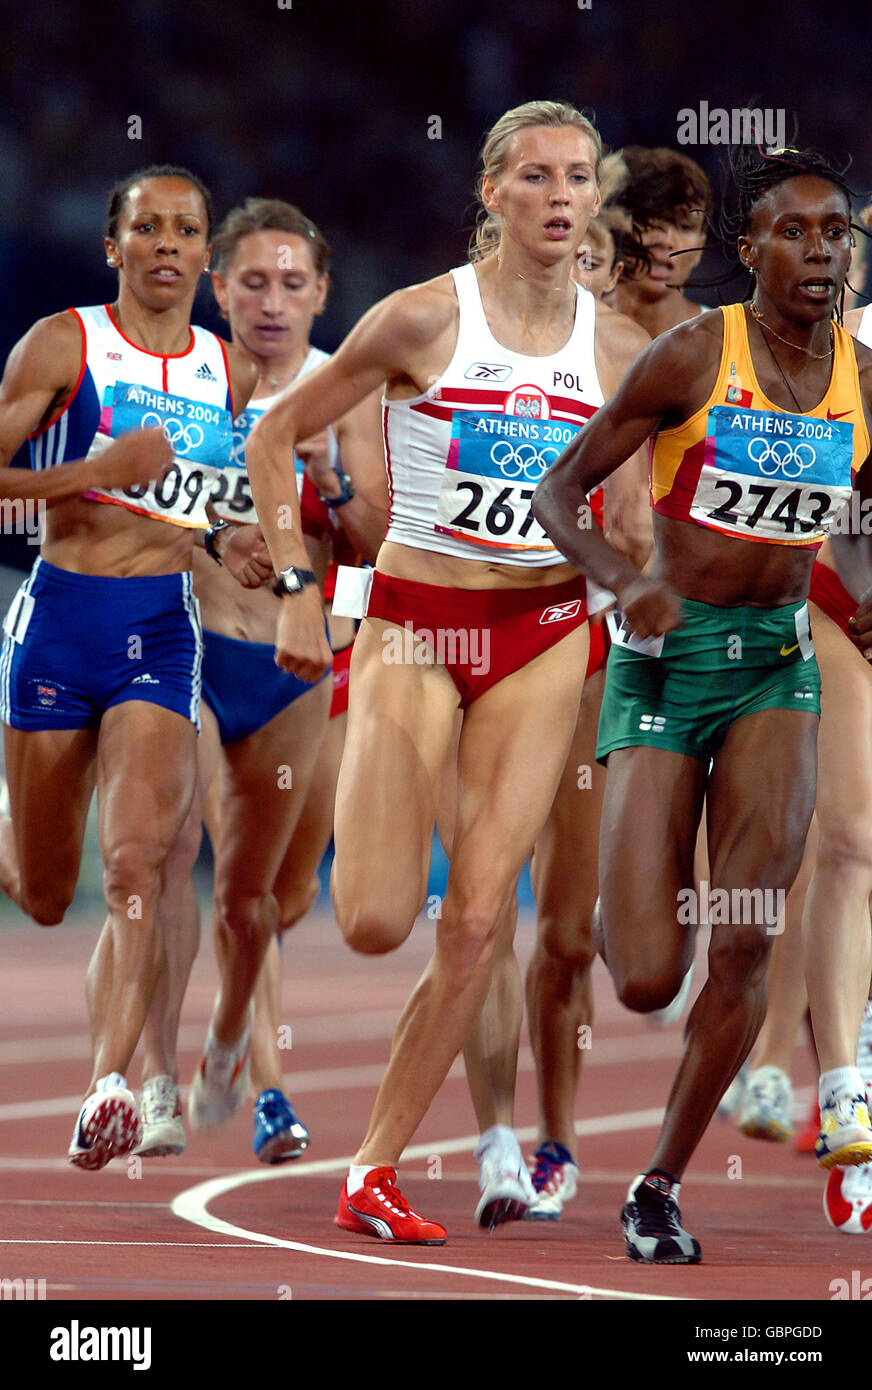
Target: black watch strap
x,y
209,539
294,581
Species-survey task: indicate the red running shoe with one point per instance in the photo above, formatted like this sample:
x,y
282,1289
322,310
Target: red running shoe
x,y
806,1137
380,1209
848,1199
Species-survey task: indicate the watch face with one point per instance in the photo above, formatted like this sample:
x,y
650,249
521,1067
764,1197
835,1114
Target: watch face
x,y
291,581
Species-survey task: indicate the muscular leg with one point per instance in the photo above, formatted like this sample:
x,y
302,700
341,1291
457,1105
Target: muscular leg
x,y
295,890
50,777
258,815
760,801
146,773
508,770
836,917
565,879
179,916
785,978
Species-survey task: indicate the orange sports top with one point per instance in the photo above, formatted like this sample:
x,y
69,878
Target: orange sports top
x,y
743,466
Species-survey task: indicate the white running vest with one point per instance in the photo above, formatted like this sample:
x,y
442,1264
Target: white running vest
x,y
187,396
232,495
464,458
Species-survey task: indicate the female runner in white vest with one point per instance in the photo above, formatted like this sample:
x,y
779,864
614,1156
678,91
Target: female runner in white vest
x,y
483,371
99,674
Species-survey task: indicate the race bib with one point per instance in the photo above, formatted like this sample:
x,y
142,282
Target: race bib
x,y
771,476
623,636
198,434
493,465
231,488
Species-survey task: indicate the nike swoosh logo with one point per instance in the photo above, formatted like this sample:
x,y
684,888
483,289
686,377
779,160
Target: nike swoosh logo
x,y
840,414
785,651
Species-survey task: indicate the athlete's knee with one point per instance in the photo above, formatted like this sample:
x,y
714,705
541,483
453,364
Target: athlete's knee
x,y
131,870
469,933
645,993
846,848
566,943
252,918
738,955
297,901
47,903
371,930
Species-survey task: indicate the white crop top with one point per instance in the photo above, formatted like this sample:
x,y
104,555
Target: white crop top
x,y
464,458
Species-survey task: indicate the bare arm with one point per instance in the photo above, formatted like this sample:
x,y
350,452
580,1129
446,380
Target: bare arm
x,y
388,344
662,386
40,376
627,520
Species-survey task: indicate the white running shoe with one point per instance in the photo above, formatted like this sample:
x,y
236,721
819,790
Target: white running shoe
x,y
108,1125
160,1109
506,1188
220,1082
554,1176
846,1137
661,1018
731,1102
768,1106
848,1199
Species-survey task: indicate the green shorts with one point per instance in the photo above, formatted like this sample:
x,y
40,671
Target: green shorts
x,y
684,690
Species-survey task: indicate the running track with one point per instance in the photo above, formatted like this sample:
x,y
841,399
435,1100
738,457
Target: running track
x,y
213,1224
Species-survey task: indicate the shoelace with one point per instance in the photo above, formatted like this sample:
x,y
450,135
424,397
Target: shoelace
x,y
545,1171
277,1110
394,1196
654,1219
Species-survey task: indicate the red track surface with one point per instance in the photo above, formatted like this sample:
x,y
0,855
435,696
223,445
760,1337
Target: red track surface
x,y
113,1235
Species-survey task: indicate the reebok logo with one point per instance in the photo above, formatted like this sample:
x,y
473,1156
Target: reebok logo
x,y
559,611
204,374
488,371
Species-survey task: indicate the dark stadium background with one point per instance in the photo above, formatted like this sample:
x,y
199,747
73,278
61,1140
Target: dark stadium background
x,y
329,105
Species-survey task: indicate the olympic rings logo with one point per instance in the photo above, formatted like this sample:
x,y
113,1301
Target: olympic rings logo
x,y
181,438
779,455
524,461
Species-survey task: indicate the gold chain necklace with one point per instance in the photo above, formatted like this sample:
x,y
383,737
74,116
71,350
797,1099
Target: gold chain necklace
x,y
797,347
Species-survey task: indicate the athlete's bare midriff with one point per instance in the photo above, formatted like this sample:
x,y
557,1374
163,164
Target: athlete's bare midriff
x,y
726,571
432,567
103,538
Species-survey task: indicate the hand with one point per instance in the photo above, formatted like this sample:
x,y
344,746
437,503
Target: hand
x,y
137,457
245,555
314,453
650,608
861,626
301,638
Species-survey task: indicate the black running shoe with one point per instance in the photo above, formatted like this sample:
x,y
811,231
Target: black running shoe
x,y
651,1223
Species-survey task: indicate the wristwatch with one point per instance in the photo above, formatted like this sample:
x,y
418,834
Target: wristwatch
x,y
294,581
345,495
209,539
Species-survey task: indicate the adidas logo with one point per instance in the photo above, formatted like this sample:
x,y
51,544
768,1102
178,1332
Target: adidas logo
x,y
145,679
204,374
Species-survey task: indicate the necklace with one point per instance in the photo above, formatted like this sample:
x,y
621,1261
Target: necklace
x,y
815,356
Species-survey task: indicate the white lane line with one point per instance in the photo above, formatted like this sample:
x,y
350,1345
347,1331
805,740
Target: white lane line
x,y
192,1205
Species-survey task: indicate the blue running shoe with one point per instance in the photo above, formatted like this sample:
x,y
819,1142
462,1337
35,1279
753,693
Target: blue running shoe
x,y
555,1178
278,1134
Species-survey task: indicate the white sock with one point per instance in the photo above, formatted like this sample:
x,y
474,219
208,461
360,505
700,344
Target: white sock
x,y
844,1081
113,1082
356,1174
